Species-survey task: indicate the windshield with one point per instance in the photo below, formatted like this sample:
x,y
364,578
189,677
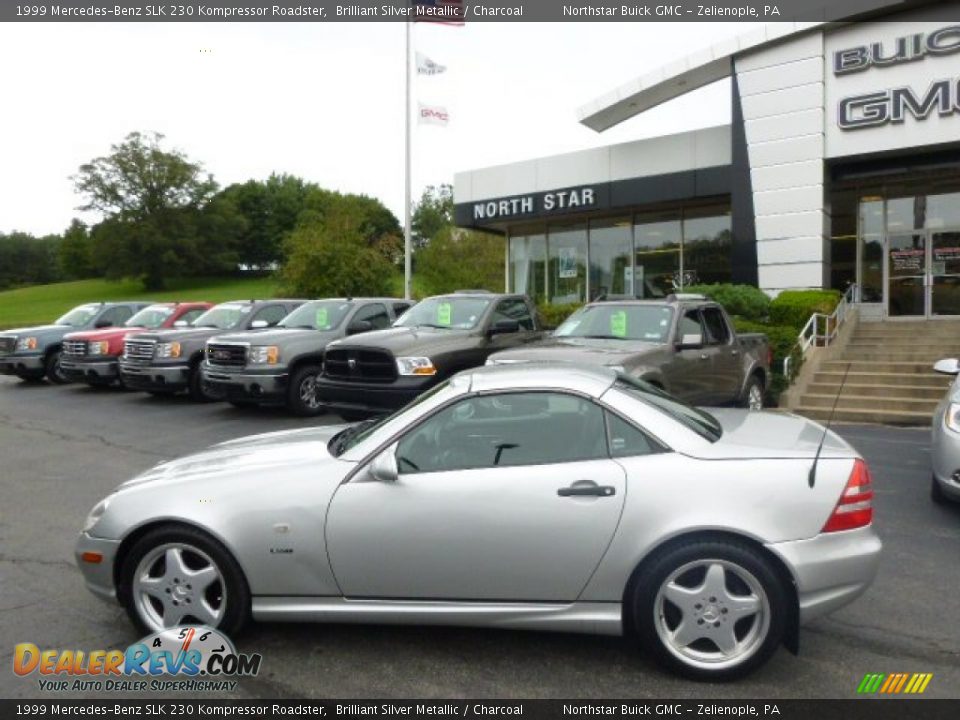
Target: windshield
x,y
79,316
150,317
649,323
226,316
352,436
325,315
463,313
702,423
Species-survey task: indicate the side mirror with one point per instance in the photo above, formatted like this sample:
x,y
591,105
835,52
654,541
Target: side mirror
x,y
691,341
359,326
947,366
103,324
384,466
180,323
501,327
259,324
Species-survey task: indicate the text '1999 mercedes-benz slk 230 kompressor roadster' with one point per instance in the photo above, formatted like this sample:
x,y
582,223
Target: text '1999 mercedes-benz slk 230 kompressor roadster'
x,y
555,497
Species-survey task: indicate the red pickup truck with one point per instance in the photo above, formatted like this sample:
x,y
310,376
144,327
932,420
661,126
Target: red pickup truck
x,y
92,356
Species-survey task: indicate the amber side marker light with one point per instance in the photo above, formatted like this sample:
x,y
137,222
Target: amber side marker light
x,y
92,557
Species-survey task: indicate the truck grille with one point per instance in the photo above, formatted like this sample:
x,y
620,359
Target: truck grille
x,y
8,344
359,365
226,355
139,350
75,347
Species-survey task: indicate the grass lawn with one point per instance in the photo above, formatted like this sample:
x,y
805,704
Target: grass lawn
x,y
41,304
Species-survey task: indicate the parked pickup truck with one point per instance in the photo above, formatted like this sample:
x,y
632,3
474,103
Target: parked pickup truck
x,y
380,371
165,362
280,366
92,356
33,353
684,344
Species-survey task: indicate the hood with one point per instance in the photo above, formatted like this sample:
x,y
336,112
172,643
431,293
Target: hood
x,y
279,336
111,333
40,330
179,334
768,434
589,351
411,341
263,456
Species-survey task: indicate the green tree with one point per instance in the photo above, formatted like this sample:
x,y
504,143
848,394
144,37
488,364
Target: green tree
x,y
28,260
458,259
151,199
433,213
76,252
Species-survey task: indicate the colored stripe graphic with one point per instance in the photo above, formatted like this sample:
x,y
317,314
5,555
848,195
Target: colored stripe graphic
x,y
894,683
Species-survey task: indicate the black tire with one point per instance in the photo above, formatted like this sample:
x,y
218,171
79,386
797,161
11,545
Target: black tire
x,y
754,385
302,397
52,369
701,658
195,385
936,492
353,415
236,593
31,377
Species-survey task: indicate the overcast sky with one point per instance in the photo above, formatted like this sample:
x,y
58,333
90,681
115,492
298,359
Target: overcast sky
x,y
322,101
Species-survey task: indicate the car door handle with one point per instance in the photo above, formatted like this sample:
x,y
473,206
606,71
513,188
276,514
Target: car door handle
x,y
587,490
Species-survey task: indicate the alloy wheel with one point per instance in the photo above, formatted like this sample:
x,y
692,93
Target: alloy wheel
x,y
177,583
755,397
308,392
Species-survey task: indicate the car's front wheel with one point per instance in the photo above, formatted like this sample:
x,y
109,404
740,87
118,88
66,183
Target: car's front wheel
x,y
709,609
302,398
53,370
180,576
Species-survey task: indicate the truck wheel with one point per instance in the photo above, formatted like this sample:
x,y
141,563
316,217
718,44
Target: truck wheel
x,y
53,370
30,377
302,397
178,576
710,609
753,394
195,385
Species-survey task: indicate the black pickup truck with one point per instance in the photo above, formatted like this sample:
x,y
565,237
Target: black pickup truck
x,y
380,371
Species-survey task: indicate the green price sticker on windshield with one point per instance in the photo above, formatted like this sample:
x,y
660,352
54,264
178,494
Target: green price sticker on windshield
x,y
321,319
618,323
444,314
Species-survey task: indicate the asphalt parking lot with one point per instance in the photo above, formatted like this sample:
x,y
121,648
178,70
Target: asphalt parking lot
x,y
63,448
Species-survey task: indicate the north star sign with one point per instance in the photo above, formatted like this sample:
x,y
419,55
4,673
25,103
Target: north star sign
x,y
554,201
892,105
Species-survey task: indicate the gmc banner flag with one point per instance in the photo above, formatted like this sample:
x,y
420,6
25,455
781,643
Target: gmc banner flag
x,y
432,115
444,12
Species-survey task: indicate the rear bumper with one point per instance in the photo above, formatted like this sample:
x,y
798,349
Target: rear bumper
x,y
86,370
98,576
370,397
13,364
155,377
256,387
831,569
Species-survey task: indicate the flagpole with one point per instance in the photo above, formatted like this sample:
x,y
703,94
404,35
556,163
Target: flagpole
x,y
407,249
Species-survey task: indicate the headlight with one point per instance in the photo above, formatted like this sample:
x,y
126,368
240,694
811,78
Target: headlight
x,y
951,417
27,343
264,354
99,348
168,350
415,366
94,516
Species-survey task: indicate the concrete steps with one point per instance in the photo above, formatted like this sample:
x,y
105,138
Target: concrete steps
x,y
889,374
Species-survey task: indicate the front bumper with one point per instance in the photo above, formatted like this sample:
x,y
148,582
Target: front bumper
x,y
831,569
87,370
945,456
155,377
266,387
13,364
370,397
97,576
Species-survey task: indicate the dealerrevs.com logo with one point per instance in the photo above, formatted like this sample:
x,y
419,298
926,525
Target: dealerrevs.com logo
x,y
198,658
894,683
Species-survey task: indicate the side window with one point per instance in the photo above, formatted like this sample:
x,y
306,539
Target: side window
x,y
514,309
717,331
505,430
116,316
191,315
376,315
399,308
626,440
272,314
689,324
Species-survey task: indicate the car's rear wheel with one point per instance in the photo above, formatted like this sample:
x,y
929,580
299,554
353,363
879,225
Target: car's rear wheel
x,y
302,396
753,394
937,494
52,368
709,609
180,576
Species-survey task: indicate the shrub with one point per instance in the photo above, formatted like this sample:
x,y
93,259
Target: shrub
x,y
552,315
794,307
744,301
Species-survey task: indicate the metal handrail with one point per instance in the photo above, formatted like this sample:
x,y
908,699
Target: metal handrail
x,y
821,329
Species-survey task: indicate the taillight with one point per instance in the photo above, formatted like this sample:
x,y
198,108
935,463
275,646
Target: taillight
x,y
855,507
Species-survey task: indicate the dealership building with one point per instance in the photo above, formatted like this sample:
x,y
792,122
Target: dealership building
x,y
840,166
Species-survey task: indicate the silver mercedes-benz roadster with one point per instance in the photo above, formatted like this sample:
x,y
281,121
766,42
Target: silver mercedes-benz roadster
x,y
552,497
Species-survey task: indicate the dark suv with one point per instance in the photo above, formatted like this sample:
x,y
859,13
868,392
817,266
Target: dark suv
x,y
164,362
280,366
383,370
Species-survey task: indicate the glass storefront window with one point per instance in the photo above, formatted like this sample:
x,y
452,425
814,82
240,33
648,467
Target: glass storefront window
x,y
657,240
567,246
528,265
871,249
611,269
943,211
706,245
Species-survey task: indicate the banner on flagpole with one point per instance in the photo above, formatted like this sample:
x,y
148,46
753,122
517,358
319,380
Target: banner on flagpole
x,y
432,115
426,66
